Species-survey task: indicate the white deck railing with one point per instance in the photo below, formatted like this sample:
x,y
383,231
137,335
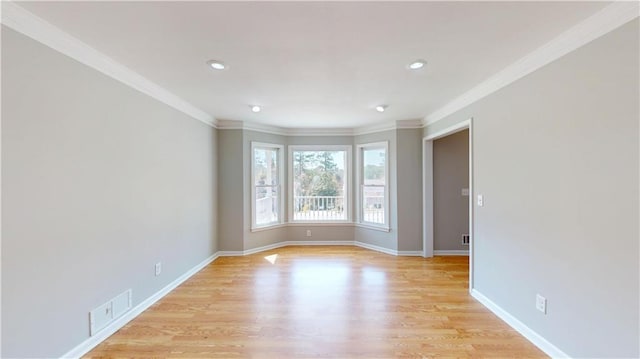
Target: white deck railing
x,y
318,208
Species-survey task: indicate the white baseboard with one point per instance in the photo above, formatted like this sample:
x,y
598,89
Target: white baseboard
x,y
321,243
286,244
263,248
93,341
230,253
373,247
462,252
535,338
410,253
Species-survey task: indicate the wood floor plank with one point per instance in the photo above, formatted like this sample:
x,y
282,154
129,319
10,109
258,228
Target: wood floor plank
x,y
320,302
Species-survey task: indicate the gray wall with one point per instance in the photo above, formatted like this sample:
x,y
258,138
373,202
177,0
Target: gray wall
x,y
409,189
99,182
231,190
450,176
556,157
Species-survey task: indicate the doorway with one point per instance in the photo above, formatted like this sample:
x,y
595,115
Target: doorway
x,y
429,199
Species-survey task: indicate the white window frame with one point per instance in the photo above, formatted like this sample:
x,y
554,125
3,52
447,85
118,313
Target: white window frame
x,y
360,180
348,172
280,158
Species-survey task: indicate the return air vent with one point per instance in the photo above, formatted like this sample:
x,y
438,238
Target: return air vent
x,y
465,239
108,312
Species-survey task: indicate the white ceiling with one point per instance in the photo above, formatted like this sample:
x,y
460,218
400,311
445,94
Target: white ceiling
x,y
315,64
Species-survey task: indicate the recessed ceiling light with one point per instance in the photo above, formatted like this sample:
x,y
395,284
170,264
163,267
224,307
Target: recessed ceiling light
x,y
217,65
381,108
417,65
256,108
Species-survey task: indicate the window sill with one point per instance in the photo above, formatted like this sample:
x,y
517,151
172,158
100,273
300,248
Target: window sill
x,y
268,227
373,227
320,224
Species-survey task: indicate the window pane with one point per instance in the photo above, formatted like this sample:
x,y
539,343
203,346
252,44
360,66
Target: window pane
x,y
266,166
319,185
266,205
374,163
373,185
373,204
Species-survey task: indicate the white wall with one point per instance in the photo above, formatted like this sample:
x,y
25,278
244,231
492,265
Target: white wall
x,y
556,156
99,182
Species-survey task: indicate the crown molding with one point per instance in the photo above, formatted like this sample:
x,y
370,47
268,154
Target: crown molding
x,y
320,131
290,131
378,127
25,22
606,20
409,124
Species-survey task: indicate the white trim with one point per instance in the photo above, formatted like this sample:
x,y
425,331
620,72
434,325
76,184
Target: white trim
x,y
321,224
93,341
230,253
600,23
409,254
335,131
471,207
280,187
372,227
460,126
231,125
373,247
450,252
27,23
387,126
408,124
427,198
319,132
318,243
269,227
375,128
291,243
535,338
360,148
263,248
348,169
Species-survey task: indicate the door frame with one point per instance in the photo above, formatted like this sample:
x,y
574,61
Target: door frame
x,y
427,189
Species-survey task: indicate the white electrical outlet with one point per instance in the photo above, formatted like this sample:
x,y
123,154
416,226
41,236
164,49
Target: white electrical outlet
x,y
308,233
480,200
541,303
158,268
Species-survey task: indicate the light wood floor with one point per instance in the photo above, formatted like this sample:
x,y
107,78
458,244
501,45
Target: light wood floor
x,y
320,302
